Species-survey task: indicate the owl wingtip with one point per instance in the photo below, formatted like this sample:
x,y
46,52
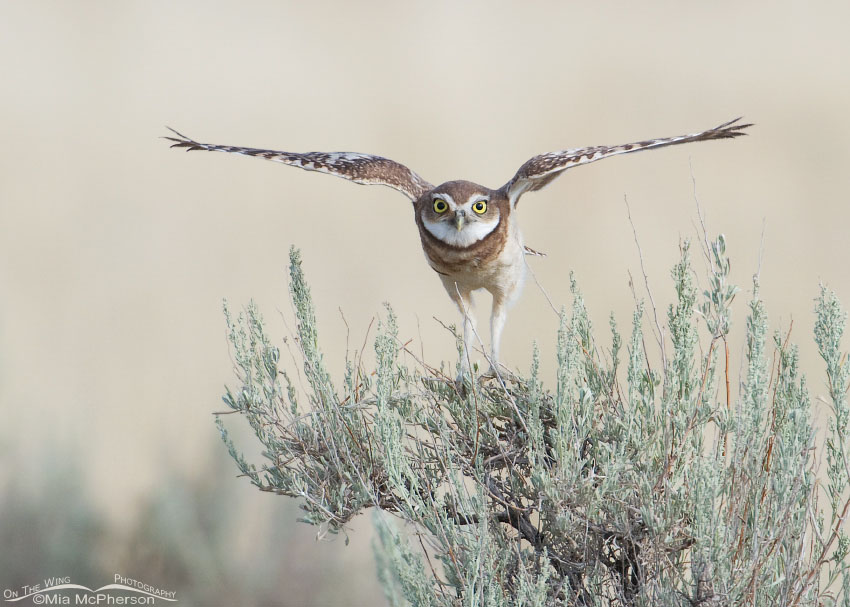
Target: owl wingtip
x,y
181,141
181,136
732,128
530,251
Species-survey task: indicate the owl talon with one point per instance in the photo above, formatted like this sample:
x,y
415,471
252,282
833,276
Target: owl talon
x,y
463,383
503,373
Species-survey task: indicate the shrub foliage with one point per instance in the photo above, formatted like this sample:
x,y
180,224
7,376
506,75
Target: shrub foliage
x,y
646,475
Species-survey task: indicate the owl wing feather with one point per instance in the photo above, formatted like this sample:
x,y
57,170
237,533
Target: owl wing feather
x,y
359,168
540,170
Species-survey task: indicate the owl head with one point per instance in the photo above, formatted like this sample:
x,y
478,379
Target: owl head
x,y
460,213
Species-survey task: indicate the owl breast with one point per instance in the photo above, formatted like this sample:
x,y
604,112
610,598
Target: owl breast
x,y
495,262
469,236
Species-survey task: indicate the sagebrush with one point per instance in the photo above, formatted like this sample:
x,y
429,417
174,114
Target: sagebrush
x,y
627,483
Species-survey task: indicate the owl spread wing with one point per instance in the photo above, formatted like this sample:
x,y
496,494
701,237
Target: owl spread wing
x,y
359,168
540,170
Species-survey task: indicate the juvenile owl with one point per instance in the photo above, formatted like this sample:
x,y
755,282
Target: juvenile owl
x,y
469,232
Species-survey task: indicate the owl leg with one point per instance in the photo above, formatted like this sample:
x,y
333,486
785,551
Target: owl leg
x,y
465,305
503,299
497,324
463,300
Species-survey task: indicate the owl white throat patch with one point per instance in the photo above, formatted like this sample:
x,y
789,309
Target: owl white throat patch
x,y
445,231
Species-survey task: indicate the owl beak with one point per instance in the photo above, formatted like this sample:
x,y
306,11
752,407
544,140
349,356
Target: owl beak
x,y
460,219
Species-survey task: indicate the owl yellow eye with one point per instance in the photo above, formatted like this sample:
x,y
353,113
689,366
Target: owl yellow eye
x,y
480,206
440,205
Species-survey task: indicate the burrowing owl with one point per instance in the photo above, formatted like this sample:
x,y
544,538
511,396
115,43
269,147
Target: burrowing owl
x,y
469,232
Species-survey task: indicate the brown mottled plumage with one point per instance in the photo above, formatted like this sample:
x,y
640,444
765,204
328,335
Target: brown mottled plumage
x,y
469,233
447,259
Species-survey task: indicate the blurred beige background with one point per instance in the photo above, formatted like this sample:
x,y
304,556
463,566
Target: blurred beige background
x,y
115,252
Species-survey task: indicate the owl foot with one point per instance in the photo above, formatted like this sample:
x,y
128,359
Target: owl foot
x,y
463,383
502,373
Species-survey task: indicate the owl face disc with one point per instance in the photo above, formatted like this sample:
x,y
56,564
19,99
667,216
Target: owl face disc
x,y
459,214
